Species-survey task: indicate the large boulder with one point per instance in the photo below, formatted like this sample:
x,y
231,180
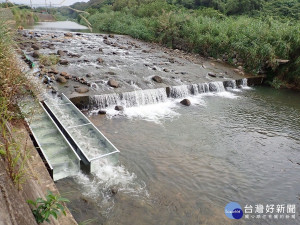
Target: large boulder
x,y
113,83
186,102
61,80
82,90
157,79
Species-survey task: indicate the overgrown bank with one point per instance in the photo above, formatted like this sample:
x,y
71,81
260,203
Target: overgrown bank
x,y
240,36
23,173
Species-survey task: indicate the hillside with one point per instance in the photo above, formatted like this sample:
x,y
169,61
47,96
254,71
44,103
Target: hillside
x,y
261,36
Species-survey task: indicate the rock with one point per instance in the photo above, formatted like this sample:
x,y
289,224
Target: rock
x,y
111,36
168,90
154,68
166,70
100,60
119,108
157,79
82,90
60,52
88,75
53,91
100,50
35,54
64,62
211,74
63,74
61,80
111,73
101,112
186,102
54,71
240,68
114,190
35,47
68,34
113,83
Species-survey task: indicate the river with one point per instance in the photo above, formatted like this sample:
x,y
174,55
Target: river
x,y
182,165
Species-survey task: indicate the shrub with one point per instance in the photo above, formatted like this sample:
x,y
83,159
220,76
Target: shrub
x,y
52,206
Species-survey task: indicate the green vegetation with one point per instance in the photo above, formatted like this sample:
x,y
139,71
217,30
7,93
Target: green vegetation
x,y
52,206
48,60
256,34
22,13
12,83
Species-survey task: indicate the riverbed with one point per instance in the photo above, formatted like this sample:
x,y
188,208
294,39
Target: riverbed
x,y
182,165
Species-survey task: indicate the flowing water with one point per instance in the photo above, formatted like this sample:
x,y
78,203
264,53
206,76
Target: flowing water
x,y
182,165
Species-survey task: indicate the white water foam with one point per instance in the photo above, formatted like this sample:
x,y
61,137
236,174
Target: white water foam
x,y
110,176
153,112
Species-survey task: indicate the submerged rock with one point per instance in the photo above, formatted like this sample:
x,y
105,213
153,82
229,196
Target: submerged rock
x,y
102,112
113,83
82,90
100,60
114,190
119,108
60,52
211,74
186,102
157,79
64,62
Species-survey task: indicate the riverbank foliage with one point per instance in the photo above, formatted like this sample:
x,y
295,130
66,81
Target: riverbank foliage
x,y
256,34
22,14
13,84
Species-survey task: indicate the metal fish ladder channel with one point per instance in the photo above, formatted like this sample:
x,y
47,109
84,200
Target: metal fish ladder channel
x,y
87,140
61,158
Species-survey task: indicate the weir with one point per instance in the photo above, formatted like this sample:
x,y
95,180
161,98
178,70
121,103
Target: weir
x,y
89,143
152,96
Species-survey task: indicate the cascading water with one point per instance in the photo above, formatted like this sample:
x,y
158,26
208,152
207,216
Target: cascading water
x,y
217,86
154,96
130,99
244,82
180,91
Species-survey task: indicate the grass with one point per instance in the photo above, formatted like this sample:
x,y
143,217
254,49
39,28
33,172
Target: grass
x,y
256,42
13,85
48,60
